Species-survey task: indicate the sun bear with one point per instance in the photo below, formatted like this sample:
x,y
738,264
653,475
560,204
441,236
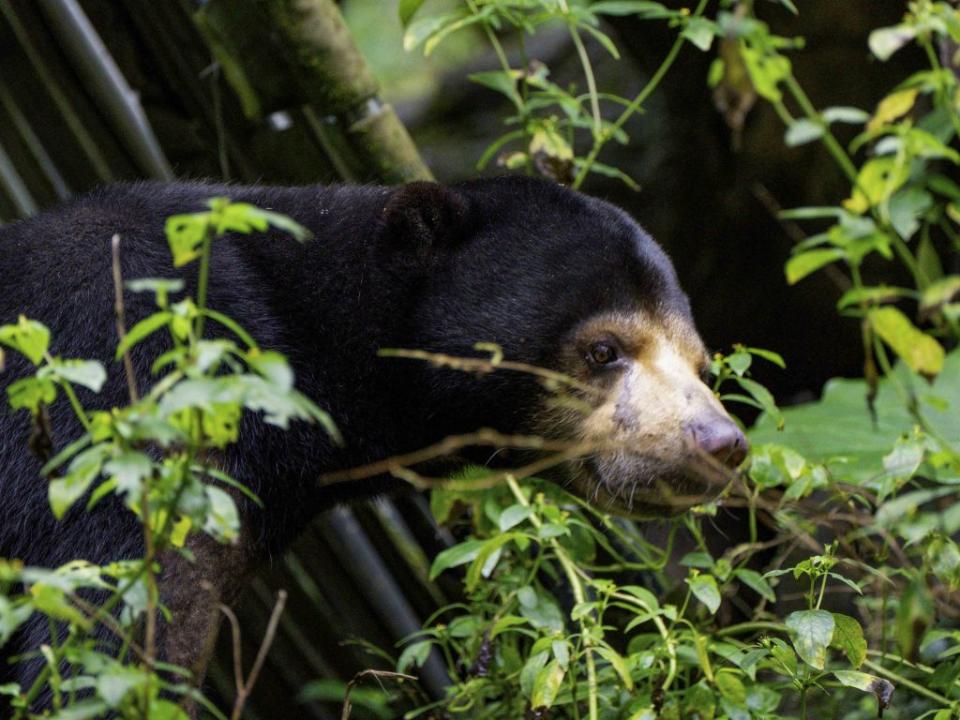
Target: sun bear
x,y
553,278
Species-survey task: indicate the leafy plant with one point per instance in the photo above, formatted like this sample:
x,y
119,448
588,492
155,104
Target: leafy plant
x,y
155,455
840,598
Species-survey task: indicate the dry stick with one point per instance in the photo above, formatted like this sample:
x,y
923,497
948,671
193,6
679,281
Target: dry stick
x,y
363,675
244,688
481,365
121,322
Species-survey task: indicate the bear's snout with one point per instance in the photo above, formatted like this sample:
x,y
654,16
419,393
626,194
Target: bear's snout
x,y
719,437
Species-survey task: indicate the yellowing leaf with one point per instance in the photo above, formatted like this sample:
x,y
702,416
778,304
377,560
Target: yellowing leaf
x,y
877,181
892,107
921,352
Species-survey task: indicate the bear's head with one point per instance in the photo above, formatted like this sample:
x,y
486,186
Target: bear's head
x,y
571,284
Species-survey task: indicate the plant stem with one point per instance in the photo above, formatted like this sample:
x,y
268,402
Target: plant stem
x,y
636,104
578,595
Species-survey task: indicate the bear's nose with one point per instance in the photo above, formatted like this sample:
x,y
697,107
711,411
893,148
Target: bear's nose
x,y
719,437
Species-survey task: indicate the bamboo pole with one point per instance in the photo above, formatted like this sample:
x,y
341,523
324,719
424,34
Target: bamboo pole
x,y
324,70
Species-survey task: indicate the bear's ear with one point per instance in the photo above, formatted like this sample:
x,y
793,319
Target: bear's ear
x,y
422,217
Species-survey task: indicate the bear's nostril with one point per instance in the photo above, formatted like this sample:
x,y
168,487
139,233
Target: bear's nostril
x,y
720,438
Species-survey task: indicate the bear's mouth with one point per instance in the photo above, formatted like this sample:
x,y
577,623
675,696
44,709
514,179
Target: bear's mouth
x,y
642,486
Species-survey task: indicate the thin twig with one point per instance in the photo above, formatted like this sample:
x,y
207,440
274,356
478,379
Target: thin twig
x,y
246,687
121,319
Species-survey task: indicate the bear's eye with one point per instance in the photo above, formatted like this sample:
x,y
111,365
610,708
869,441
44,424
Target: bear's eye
x,y
602,353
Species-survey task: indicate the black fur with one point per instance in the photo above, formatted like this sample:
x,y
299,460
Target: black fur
x,y
514,261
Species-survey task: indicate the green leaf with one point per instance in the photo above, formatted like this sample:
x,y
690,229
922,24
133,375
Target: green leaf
x,y
504,82
700,31
141,330
939,293
531,671
223,519
883,689
513,515
28,337
921,352
406,9
731,688
618,664
28,393
850,115
642,8
455,556
812,632
884,42
848,637
115,681
414,656
870,296
83,470
756,582
799,266
877,181
88,373
803,131
129,468
547,685
704,588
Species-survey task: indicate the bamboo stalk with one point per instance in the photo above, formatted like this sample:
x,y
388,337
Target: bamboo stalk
x,y
363,136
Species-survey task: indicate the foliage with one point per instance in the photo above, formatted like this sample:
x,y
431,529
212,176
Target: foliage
x,y
156,454
843,584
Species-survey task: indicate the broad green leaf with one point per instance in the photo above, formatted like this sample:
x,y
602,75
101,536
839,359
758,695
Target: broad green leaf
x,y
731,688
839,425
28,337
756,582
28,393
799,266
704,588
812,632
88,373
921,352
513,515
848,637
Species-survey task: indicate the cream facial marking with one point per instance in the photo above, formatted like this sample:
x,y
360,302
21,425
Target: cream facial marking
x,y
663,435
